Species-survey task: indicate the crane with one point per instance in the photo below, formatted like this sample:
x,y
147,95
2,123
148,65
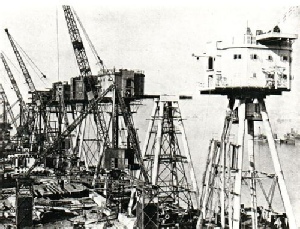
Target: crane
x,y
133,137
24,108
90,42
8,107
79,50
23,67
86,76
40,104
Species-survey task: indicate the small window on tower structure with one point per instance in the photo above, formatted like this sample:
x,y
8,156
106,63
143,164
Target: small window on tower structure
x,y
210,63
237,56
254,56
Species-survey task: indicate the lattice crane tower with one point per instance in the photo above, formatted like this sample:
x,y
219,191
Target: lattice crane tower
x,y
246,73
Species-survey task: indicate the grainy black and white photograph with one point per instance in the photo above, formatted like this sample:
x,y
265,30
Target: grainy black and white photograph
x,y
149,115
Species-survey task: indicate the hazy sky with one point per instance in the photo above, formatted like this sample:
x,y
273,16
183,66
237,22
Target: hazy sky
x,y
157,37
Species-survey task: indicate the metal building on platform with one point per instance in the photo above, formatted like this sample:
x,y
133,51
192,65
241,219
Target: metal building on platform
x,y
263,61
246,73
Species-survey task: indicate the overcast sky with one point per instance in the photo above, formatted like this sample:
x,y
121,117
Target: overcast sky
x,y
158,38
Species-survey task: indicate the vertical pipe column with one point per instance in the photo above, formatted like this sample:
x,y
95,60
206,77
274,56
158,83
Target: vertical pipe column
x,y
229,161
158,143
172,132
115,121
150,126
224,140
144,150
250,138
238,178
228,158
222,194
205,194
81,145
277,166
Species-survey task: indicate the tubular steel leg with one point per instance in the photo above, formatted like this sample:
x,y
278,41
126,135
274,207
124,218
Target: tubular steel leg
x,y
226,132
222,194
150,126
229,161
277,166
238,178
145,147
250,138
81,148
205,194
158,144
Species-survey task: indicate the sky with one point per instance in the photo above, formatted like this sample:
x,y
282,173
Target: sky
x,y
158,37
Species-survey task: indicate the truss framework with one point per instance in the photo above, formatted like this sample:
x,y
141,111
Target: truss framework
x,y
220,201
171,199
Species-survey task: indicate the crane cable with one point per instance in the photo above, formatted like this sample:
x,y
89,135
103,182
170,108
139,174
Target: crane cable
x,y
31,61
17,69
88,39
94,51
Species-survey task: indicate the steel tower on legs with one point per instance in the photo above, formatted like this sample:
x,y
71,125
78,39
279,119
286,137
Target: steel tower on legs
x,y
171,201
246,77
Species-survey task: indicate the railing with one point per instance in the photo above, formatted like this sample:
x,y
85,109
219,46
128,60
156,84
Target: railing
x,y
218,81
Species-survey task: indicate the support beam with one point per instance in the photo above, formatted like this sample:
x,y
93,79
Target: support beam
x,y
277,166
150,126
224,140
158,143
81,148
250,138
238,178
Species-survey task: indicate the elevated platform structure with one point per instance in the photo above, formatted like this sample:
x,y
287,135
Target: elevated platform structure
x,y
246,73
261,64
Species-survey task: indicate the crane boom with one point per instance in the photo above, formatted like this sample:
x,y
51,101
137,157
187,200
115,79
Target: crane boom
x,y
79,50
16,89
133,137
37,96
8,107
86,75
22,64
89,40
